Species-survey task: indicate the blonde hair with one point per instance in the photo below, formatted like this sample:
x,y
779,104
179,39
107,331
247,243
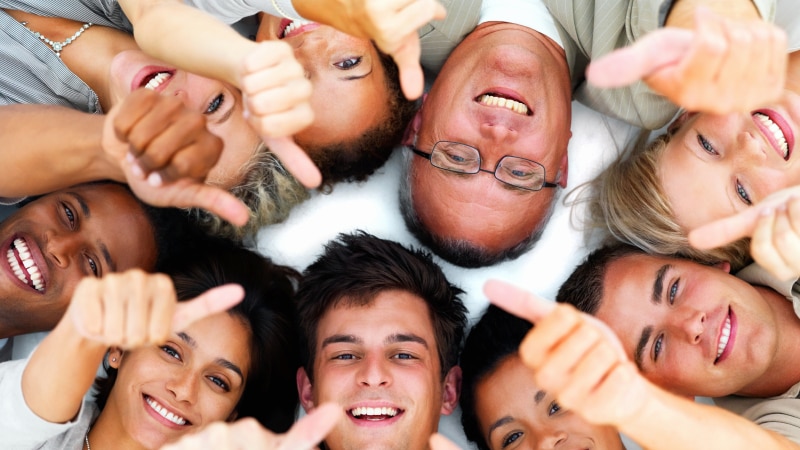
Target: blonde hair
x,y
267,189
628,200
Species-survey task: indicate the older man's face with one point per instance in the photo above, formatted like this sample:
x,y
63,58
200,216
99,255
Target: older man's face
x,y
497,61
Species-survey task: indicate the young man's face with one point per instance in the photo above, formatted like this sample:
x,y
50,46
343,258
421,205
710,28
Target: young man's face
x,y
693,329
381,364
54,241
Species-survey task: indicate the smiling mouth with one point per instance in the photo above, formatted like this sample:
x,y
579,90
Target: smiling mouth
x,y
374,414
776,133
501,101
22,264
164,412
293,27
155,80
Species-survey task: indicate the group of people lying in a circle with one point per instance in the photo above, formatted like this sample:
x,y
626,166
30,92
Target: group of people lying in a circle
x,y
201,342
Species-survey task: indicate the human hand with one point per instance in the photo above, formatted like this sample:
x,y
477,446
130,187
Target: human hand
x,y
276,97
720,66
439,442
133,308
245,434
575,357
391,24
160,138
773,224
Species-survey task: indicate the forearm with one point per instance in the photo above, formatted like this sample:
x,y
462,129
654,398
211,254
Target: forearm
x,y
682,12
188,38
59,373
47,147
670,422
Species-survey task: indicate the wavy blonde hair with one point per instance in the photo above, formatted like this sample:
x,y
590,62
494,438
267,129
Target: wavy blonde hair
x,y
627,199
267,189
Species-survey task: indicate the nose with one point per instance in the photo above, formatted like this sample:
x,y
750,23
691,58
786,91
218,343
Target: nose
x,y
181,95
62,246
752,147
550,438
497,132
183,385
374,372
692,325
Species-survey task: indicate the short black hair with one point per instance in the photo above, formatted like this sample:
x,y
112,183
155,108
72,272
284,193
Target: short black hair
x,y
495,337
584,287
358,159
270,395
355,268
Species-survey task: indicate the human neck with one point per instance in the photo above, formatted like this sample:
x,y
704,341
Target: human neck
x,y
89,56
781,374
108,432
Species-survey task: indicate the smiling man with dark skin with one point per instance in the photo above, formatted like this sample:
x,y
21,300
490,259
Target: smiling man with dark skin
x,y
55,240
697,330
501,105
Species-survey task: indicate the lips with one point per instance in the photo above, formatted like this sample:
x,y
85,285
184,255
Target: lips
x,y
726,337
152,77
165,414
289,28
374,414
504,98
21,256
777,131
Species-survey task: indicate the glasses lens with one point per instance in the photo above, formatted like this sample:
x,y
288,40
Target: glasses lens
x,y
455,157
521,173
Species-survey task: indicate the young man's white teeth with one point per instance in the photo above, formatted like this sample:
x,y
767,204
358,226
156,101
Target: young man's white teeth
x,y
27,263
20,245
38,285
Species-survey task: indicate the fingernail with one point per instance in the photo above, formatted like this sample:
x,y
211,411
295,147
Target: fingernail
x,y
154,179
137,171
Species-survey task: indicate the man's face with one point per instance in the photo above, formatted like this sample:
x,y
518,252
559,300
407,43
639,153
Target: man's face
x,y
381,364
470,102
53,242
693,329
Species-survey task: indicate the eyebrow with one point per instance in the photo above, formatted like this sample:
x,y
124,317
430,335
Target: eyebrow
x,y
219,361
499,423
643,340
87,213
357,77
539,396
406,337
341,339
658,285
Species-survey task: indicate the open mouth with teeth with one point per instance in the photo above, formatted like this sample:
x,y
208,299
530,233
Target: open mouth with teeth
x,y
165,413
22,264
726,338
503,101
777,132
374,414
290,28
155,80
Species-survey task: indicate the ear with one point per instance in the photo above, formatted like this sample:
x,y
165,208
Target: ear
x,y
723,265
678,123
413,127
305,390
563,171
451,390
114,357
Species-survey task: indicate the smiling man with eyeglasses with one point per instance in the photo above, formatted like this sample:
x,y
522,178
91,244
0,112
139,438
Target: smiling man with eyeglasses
x,y
496,123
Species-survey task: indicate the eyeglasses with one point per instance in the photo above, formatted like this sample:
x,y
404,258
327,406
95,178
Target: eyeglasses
x,y
462,158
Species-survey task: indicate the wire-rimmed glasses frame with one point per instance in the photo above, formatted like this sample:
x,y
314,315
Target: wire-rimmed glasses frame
x,y
462,158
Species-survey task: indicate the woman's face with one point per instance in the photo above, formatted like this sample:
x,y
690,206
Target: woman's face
x,y
350,94
716,165
195,378
514,413
220,102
